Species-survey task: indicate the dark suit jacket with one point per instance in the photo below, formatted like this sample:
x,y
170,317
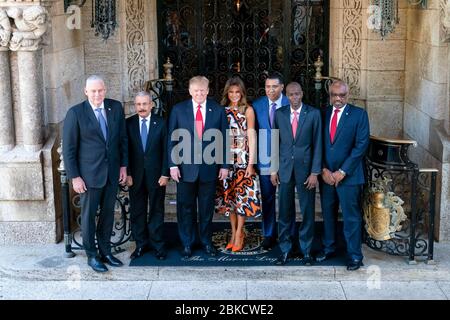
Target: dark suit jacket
x,y
150,164
302,155
262,113
86,153
182,117
350,144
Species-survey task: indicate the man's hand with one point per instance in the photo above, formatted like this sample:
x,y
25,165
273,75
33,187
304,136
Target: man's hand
x,y
250,171
123,176
274,179
327,177
175,174
223,174
78,185
163,181
311,182
338,177
129,181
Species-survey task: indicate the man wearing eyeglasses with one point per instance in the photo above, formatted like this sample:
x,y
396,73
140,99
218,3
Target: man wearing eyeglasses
x,y
345,142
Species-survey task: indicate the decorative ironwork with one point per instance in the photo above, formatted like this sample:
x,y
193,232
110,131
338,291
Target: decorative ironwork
x,y
249,38
103,15
414,237
121,230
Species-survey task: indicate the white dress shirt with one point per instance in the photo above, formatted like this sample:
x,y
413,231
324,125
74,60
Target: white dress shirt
x,y
102,106
202,110
339,115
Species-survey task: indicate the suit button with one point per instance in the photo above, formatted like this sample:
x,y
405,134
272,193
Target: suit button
x,y
292,157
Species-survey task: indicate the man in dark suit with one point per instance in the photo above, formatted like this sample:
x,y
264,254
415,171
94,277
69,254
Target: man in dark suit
x,y
345,140
148,175
300,161
265,108
194,165
95,150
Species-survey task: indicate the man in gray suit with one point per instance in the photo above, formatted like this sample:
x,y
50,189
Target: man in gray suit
x,y
300,137
95,149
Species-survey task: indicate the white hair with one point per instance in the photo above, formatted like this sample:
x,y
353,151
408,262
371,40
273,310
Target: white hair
x,y
94,78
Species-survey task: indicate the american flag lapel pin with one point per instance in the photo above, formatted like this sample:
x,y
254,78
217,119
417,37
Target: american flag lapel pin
x,y
209,110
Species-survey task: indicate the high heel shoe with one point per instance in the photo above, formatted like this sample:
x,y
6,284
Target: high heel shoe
x,y
229,246
241,246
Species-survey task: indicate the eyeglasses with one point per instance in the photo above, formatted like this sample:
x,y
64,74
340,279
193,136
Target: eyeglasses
x,y
340,95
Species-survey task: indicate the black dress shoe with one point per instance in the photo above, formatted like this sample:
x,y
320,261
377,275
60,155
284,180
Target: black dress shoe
x,y
267,243
322,256
187,252
161,254
307,260
96,264
112,261
210,250
139,252
353,265
282,259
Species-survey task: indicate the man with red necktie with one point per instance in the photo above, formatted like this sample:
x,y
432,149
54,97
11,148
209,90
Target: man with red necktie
x,y
300,159
194,125
345,141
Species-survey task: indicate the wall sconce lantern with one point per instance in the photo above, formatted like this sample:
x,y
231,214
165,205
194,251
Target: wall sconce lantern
x,y
103,15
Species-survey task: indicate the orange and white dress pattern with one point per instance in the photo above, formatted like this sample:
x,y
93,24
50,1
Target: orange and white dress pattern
x,y
238,193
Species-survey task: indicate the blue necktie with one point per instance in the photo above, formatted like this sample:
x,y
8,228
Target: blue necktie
x,y
102,122
272,113
144,133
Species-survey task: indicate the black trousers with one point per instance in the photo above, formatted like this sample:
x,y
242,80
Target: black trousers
x,y
90,201
147,216
193,197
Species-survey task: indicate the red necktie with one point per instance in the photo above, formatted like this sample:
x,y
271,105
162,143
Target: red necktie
x,y
294,124
199,122
334,122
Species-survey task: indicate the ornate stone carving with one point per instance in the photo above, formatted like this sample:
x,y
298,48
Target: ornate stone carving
x,y
444,6
352,45
5,29
30,25
135,45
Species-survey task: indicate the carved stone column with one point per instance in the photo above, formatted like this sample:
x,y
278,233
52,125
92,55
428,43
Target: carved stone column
x,y
6,113
31,24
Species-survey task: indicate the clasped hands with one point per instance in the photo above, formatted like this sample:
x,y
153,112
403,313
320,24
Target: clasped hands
x,y
332,178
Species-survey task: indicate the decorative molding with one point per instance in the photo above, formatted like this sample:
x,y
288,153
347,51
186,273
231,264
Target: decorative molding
x,y
444,12
135,35
5,30
352,54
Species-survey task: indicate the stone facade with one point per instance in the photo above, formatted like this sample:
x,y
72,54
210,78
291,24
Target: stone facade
x,y
403,81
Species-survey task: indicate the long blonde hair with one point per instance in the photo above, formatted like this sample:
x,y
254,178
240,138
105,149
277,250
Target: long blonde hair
x,y
235,81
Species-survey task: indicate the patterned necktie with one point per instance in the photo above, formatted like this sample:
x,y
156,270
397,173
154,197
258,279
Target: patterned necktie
x,y
102,122
144,134
334,122
294,124
273,108
199,122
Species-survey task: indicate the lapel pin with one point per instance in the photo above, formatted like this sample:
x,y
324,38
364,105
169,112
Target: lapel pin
x,y
154,122
109,109
346,113
209,110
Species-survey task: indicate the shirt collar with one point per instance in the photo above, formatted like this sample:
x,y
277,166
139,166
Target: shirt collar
x,y
278,101
341,109
195,104
148,118
298,110
102,106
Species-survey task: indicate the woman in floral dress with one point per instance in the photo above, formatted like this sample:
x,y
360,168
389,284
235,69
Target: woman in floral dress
x,y
238,196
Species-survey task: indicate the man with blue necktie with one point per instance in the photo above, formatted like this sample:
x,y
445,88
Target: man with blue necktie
x,y
345,142
95,149
265,108
148,176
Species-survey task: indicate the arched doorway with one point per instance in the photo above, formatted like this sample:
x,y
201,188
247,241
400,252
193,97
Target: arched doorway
x,y
219,38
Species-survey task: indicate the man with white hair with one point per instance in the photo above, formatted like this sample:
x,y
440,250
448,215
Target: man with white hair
x,y
95,149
